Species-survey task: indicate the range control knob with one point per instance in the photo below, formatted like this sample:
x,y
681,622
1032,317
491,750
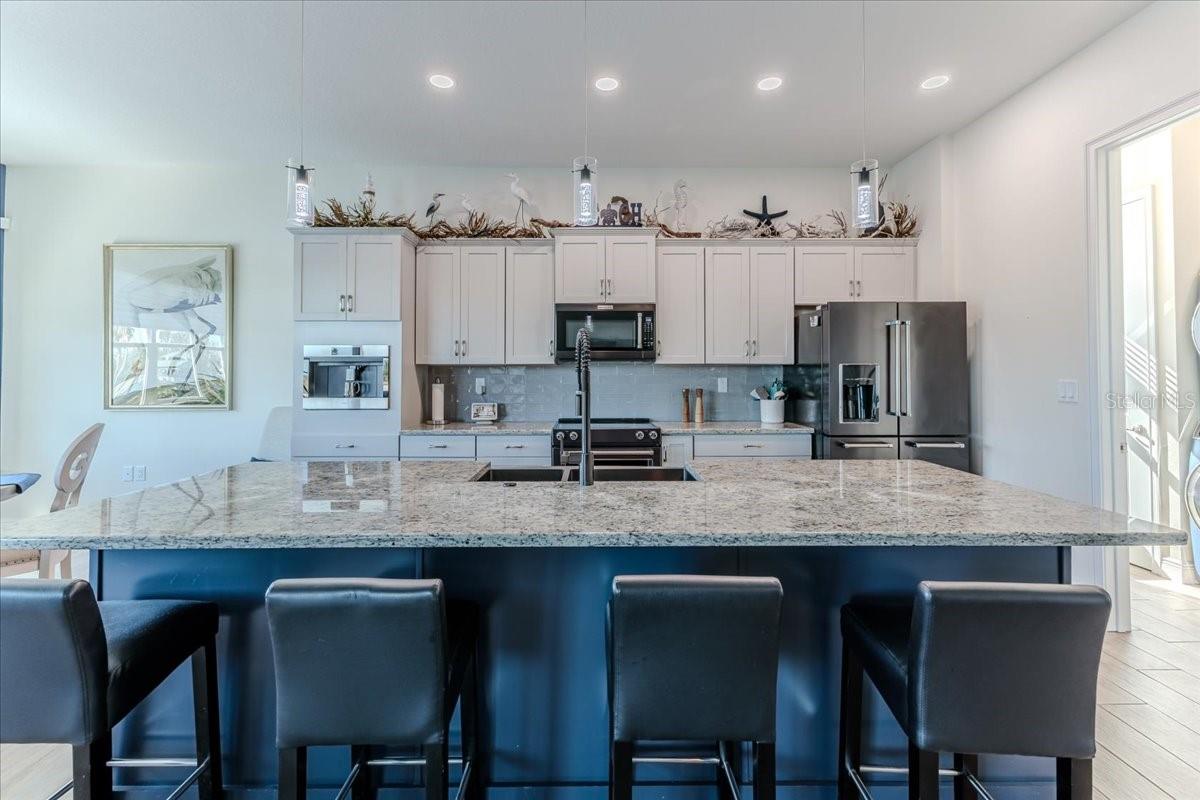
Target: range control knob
x,y
653,435
574,435
559,436
640,435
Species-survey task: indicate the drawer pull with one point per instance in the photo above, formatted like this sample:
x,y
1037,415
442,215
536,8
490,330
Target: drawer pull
x,y
514,447
342,446
438,446
751,445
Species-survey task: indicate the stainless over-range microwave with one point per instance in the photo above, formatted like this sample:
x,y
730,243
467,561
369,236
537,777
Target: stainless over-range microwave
x,y
620,332
345,376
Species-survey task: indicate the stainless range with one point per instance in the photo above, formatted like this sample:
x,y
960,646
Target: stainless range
x,y
616,441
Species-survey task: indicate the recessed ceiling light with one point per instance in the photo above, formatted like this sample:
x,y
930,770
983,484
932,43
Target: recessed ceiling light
x,y
935,81
441,81
770,83
607,84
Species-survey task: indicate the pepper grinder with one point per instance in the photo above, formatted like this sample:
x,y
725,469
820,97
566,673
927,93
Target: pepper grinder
x,y
699,406
687,405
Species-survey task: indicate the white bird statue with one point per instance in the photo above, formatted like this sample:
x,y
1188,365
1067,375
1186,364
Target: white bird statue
x,y
523,201
680,204
434,206
468,204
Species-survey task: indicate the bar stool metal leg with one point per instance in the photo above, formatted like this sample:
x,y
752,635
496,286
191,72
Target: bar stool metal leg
x,y
922,774
764,771
293,773
965,763
621,771
1074,778
363,785
92,775
470,732
437,769
732,755
208,723
850,735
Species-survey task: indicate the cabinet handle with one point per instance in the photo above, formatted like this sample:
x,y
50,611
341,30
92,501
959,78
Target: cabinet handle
x,y
438,446
859,288
658,348
456,347
350,302
747,353
852,287
464,347
752,445
610,289
514,447
602,292
551,348
343,447
342,303
754,347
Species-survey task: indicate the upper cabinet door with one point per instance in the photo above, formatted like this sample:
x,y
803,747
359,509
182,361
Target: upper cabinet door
x,y
529,312
679,313
772,310
824,274
373,278
437,307
481,314
630,269
319,290
579,270
727,305
885,273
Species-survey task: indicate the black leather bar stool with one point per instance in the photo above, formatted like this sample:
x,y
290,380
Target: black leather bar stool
x,y
970,668
72,668
693,659
372,663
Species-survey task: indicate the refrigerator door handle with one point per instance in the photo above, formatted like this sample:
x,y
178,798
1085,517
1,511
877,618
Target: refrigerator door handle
x,y
906,395
893,350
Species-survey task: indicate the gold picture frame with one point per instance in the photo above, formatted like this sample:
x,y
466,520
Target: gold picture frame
x,y
168,326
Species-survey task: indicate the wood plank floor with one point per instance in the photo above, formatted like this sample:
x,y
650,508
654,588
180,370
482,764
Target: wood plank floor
x,y
1147,722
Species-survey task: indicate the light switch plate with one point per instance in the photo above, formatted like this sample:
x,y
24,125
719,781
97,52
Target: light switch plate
x,y
722,385
1068,390
139,472
127,473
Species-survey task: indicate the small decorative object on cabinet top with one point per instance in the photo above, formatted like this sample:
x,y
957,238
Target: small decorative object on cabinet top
x,y
367,195
608,216
523,201
766,219
624,215
434,205
636,210
467,204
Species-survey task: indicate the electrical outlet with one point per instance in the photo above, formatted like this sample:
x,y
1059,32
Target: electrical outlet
x,y
480,387
139,473
1068,390
722,385
127,473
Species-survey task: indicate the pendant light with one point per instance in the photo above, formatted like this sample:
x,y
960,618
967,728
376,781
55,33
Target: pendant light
x,y
864,174
300,207
584,168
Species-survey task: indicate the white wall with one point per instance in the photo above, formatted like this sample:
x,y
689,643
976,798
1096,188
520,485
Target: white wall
x,y
61,217
925,180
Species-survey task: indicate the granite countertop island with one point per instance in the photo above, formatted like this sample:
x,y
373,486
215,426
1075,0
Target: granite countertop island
x,y
713,428
425,504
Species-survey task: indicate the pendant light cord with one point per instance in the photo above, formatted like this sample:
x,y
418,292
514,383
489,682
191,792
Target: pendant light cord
x,y
864,79
586,154
301,115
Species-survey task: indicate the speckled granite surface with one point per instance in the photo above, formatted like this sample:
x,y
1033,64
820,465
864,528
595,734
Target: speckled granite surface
x,y
530,428
434,504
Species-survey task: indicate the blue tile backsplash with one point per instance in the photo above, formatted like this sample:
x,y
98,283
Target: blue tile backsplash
x,y
619,389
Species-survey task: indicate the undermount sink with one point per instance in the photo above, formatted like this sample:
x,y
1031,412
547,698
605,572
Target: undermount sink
x,y
571,474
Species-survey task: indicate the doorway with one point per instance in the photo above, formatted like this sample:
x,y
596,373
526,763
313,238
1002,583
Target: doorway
x,y
1145,192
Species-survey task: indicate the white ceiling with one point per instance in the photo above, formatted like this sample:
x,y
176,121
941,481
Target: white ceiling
x,y
216,82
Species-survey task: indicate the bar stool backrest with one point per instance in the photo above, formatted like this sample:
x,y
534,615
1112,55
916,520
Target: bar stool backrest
x,y
73,467
1006,668
694,657
53,663
358,660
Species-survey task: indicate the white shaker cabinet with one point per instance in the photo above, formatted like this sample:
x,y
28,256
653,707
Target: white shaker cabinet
x,y
772,311
460,305
595,267
824,274
339,277
727,305
481,305
680,309
676,450
529,314
885,273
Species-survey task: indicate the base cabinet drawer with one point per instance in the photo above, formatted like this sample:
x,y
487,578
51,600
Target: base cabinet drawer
x,y
501,461
343,447
437,446
493,446
752,446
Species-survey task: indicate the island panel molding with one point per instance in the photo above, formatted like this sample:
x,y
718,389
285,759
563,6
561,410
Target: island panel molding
x,y
168,326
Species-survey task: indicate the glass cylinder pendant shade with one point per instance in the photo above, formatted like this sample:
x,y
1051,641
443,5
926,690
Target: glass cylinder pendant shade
x,y
587,212
864,194
300,207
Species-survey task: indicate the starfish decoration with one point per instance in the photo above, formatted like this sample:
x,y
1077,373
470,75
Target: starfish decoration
x,y
765,219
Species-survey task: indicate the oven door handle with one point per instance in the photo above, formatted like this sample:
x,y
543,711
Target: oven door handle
x,y
607,453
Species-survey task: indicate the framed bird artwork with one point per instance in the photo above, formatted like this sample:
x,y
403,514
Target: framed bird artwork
x,y
168,326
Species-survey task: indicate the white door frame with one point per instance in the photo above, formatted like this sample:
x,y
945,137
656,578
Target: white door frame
x,y
1104,316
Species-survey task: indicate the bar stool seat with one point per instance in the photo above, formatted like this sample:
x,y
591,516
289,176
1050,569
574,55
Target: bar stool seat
x,y
971,668
147,640
71,668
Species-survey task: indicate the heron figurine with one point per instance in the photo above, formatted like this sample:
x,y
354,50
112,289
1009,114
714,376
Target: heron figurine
x,y
523,201
468,204
434,205
679,204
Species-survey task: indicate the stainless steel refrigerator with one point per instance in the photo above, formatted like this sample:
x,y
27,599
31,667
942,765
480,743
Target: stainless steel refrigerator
x,y
894,380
